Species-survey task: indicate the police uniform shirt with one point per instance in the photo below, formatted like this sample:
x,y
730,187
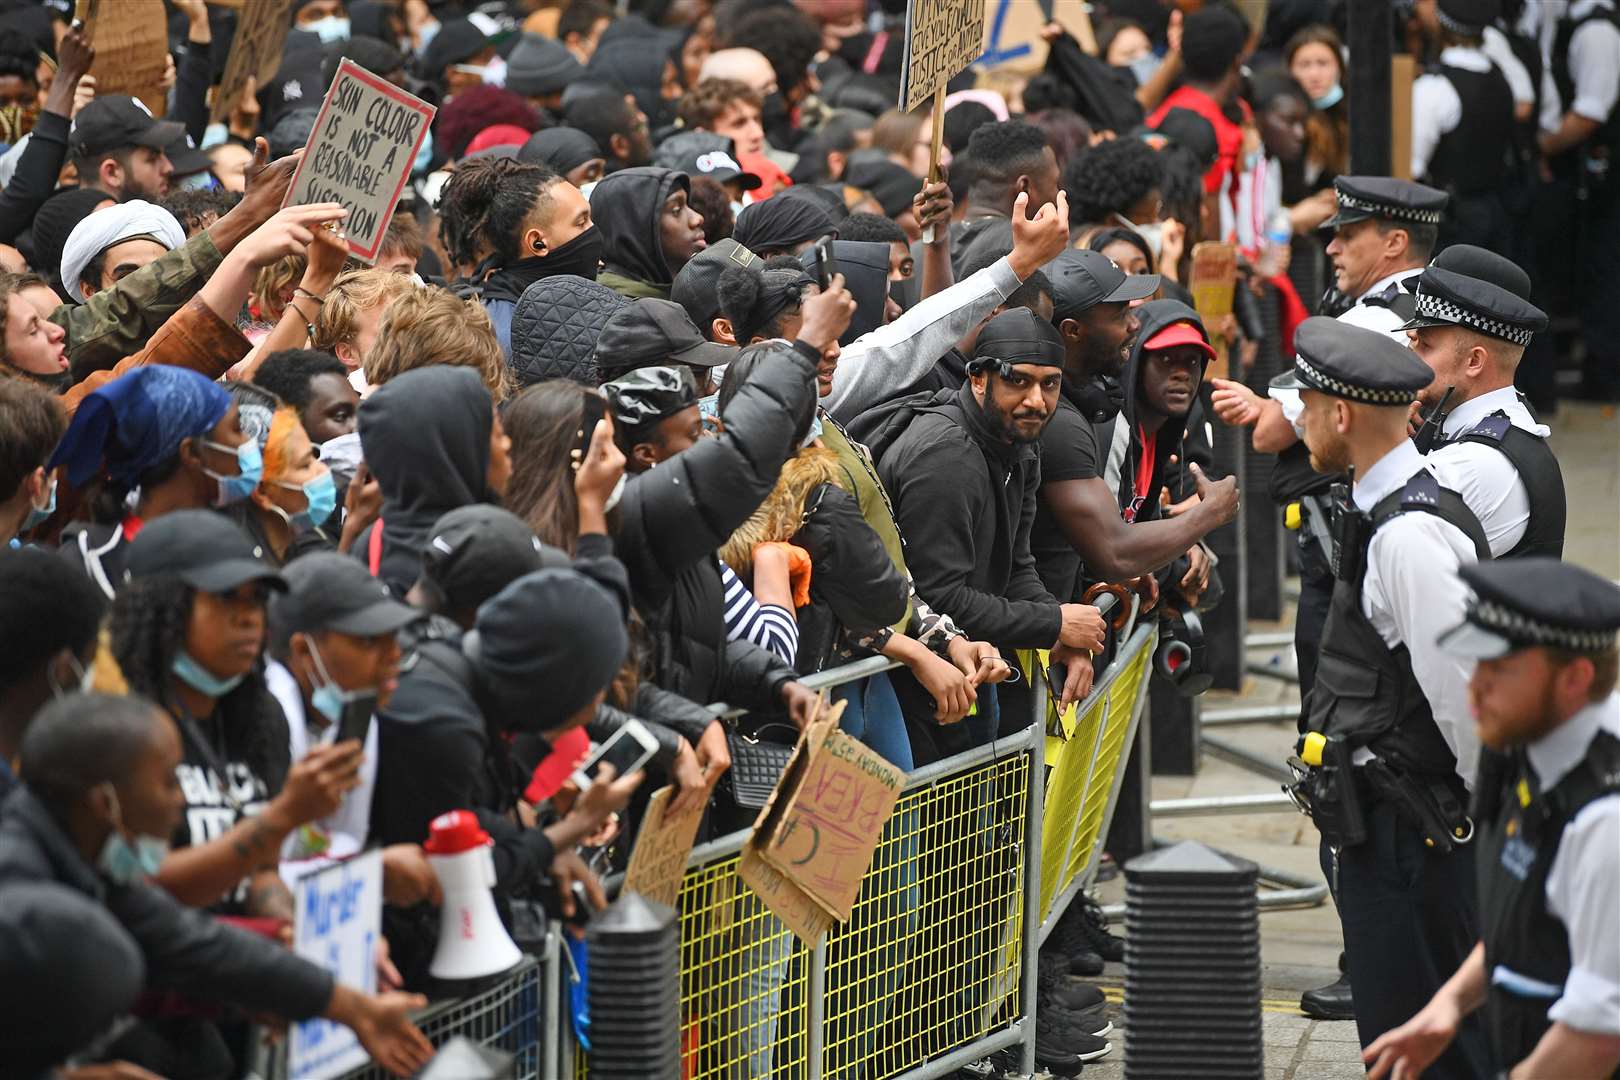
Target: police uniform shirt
x,y
1411,593
1584,878
1436,107
1362,314
1594,62
1500,51
1483,476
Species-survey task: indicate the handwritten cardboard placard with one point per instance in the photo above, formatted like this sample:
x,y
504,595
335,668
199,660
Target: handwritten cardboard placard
x,y
132,49
1213,281
261,34
942,38
658,861
337,921
360,154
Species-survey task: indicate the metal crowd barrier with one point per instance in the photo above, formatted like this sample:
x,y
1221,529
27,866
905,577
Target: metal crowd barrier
x,y
936,966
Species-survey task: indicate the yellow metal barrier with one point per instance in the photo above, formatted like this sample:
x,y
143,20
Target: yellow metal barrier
x,y
932,967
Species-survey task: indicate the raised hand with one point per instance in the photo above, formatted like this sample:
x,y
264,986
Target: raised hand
x,y
1038,240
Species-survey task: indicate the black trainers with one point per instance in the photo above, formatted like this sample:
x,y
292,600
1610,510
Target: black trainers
x,y
1070,995
1070,1033
1094,926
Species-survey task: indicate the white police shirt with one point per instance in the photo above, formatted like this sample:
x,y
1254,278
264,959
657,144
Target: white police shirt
x,y
1436,107
1411,594
1594,62
1585,877
1362,314
1483,475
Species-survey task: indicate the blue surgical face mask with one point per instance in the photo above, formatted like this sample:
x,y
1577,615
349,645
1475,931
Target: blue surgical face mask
x,y
250,470
1329,99
330,699
38,514
330,30
129,863
815,431
320,493
1144,67
423,156
201,679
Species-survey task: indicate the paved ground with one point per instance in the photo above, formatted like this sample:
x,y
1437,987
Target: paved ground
x,y
1299,949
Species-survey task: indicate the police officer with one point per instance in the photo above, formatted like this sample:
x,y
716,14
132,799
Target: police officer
x,y
1383,232
1473,322
1547,805
1388,732
1462,126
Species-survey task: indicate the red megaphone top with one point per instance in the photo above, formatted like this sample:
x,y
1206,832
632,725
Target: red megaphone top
x,y
456,832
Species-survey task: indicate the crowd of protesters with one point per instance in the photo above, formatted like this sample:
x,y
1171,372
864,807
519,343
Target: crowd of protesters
x,y
677,378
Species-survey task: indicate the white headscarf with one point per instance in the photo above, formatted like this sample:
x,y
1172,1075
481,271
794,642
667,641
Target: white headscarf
x,y
113,225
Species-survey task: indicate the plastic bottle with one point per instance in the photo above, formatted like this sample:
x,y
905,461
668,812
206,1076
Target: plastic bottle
x,y
1276,247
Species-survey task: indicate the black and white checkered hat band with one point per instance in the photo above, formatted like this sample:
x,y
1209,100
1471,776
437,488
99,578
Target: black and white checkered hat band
x,y
1390,210
1461,29
1521,629
1316,378
1430,306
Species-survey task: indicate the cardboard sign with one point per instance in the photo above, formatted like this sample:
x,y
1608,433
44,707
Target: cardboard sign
x,y
261,33
337,921
360,154
1212,282
132,49
820,827
942,38
658,861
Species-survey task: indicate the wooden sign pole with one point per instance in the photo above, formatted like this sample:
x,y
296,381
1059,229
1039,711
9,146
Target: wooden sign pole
x,y
934,151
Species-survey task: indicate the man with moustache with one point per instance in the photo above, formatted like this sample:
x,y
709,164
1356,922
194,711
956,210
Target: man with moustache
x,y
962,470
1546,969
1389,743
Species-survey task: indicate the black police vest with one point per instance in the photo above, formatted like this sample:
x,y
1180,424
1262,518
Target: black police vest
x,y
1517,846
1474,157
1543,479
1608,134
1365,690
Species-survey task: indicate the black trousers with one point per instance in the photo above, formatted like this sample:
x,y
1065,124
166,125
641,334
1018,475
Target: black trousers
x,y
1410,919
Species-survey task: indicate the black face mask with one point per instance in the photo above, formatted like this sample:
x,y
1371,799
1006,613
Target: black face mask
x,y
581,256
1099,398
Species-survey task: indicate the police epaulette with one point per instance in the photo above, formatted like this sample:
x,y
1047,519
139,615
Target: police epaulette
x,y
1494,427
1421,491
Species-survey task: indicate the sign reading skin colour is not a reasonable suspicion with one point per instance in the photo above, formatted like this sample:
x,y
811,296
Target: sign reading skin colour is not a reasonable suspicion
x,y
360,153
337,922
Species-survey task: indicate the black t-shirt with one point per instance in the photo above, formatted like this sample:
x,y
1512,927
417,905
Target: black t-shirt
x,y
1069,451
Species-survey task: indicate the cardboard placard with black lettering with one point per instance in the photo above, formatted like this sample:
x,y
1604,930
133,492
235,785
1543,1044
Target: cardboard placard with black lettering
x,y
360,154
658,861
261,34
131,38
942,38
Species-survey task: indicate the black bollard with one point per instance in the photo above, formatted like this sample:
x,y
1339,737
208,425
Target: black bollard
x,y
633,951
1192,966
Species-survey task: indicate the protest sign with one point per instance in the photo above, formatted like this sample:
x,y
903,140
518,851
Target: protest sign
x,y
360,154
261,33
132,49
337,921
942,38
658,861
1213,283
813,842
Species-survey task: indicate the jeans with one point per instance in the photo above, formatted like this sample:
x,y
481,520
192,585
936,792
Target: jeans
x,y
872,715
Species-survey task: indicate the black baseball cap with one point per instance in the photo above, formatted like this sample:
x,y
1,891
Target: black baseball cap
x,y
457,40
474,552
703,153
206,550
1083,279
697,286
649,332
328,591
118,120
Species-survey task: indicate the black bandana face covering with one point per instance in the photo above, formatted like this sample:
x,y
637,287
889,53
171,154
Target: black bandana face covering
x,y
582,256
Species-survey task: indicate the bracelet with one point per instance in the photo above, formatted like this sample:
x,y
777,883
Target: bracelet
x,y
306,294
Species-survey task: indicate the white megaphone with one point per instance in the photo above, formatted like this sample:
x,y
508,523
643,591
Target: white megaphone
x,y
472,941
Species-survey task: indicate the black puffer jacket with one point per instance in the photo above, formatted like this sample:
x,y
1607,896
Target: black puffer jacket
x,y
555,327
673,518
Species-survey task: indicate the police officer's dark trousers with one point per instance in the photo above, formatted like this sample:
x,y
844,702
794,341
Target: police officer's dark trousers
x,y
1410,919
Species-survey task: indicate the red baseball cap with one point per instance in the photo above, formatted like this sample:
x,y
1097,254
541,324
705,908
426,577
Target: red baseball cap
x,y
1178,333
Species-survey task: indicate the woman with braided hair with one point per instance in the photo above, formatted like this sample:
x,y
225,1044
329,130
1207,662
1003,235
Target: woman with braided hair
x,y
506,224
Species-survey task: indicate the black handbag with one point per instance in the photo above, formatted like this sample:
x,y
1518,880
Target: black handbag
x,y
757,762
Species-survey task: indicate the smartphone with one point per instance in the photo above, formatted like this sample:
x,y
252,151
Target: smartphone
x,y
355,722
826,265
591,413
627,751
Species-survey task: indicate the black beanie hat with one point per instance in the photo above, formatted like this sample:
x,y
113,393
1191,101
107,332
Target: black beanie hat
x,y
544,646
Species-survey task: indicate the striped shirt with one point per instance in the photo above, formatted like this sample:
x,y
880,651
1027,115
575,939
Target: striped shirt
x,y
770,626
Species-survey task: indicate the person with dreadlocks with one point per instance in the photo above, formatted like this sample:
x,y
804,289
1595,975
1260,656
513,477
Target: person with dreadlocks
x,y
507,224
187,631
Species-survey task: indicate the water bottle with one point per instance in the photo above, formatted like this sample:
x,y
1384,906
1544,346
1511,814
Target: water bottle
x,y
1276,247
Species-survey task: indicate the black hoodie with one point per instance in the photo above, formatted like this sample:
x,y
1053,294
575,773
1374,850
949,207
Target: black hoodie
x,y
426,439
627,206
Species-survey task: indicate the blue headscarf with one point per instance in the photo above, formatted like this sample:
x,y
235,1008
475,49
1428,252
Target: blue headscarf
x,y
136,421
